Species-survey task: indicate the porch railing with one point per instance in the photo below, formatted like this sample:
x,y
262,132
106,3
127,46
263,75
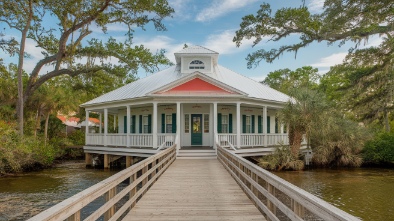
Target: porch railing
x,y
141,140
118,198
277,139
275,197
226,139
117,139
94,139
252,140
167,140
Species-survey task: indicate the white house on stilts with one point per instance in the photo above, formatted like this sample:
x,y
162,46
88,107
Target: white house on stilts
x,y
194,105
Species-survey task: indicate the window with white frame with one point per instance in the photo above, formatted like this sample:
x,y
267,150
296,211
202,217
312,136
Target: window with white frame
x,y
206,123
224,124
187,124
169,123
145,124
196,64
248,124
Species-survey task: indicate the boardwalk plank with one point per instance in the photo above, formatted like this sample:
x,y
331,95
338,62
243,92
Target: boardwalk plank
x,y
195,190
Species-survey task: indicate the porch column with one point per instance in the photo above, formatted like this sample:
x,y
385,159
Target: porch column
x,y
128,126
100,126
265,125
154,128
178,126
238,125
215,124
105,126
86,126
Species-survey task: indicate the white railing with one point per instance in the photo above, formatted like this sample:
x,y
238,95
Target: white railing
x,y
225,139
277,139
275,197
141,140
95,139
167,140
252,140
118,198
116,139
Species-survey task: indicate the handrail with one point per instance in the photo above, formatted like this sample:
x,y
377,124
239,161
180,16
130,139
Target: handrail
x,y
150,170
269,192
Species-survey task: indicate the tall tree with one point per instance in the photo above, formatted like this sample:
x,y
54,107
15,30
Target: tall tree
x,y
284,80
341,21
65,46
364,83
18,15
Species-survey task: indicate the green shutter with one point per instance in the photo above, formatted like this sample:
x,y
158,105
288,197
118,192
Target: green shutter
x,y
125,124
133,124
174,123
276,125
219,123
259,129
163,123
243,123
253,124
140,123
230,123
150,123
268,124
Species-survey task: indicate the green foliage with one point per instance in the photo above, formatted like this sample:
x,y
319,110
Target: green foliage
x,y
339,22
17,154
77,137
380,150
338,142
281,159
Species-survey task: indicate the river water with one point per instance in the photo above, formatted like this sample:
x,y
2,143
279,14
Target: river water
x,y
367,193
25,195
363,192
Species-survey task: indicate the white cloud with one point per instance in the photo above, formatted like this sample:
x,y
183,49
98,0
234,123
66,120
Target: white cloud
x,y
182,9
223,43
221,7
161,42
331,60
316,6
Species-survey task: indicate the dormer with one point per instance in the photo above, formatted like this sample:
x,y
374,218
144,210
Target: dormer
x,y
196,58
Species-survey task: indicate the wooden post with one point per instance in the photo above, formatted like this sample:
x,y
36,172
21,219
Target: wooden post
x,y
270,205
111,211
75,217
298,209
145,180
106,161
154,171
88,159
134,190
129,161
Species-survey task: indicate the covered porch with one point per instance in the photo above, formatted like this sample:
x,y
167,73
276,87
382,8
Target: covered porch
x,y
156,125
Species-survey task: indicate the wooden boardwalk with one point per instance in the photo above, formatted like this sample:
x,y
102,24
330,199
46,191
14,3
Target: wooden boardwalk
x,y
195,190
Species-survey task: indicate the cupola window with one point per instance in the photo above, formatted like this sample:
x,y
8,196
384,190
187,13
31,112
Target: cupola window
x,y
196,64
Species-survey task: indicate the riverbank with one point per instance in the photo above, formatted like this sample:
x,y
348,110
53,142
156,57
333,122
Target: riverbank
x,y
26,194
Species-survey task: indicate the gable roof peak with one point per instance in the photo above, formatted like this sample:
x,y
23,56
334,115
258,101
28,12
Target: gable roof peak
x,y
196,49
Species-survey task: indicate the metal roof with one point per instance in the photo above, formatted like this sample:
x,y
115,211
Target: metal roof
x,y
143,87
195,49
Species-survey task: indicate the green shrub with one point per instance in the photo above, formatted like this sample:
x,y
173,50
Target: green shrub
x,y
17,154
77,137
282,158
379,150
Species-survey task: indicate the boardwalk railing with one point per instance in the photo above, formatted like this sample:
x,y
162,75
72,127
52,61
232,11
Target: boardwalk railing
x,y
275,197
118,199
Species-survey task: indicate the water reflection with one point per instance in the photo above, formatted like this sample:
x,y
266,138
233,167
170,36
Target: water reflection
x,y
364,192
25,195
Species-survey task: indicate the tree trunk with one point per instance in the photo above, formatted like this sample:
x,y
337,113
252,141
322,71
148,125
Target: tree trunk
x,y
38,120
386,120
20,103
46,128
295,139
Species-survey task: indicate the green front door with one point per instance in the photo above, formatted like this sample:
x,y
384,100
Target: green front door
x,y
196,129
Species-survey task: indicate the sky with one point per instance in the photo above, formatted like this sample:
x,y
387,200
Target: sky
x,y
212,24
